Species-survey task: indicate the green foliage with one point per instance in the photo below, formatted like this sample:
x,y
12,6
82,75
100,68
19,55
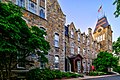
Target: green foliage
x,y
17,39
117,12
104,61
96,73
116,46
47,74
117,69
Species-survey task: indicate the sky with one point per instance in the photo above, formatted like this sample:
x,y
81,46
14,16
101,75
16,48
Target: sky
x,y
84,14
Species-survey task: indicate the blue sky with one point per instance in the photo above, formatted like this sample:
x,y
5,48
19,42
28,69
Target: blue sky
x,y
84,14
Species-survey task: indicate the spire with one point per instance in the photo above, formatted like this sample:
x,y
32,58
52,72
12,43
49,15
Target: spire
x,y
102,22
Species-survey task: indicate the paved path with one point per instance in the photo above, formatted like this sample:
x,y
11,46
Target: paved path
x,y
116,77
104,77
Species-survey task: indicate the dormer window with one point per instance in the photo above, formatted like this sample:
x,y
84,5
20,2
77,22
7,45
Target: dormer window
x,y
99,30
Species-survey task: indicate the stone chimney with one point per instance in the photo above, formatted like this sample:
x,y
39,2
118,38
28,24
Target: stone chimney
x,y
89,31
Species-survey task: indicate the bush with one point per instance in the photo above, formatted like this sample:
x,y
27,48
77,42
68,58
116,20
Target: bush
x,y
40,74
96,73
47,74
117,69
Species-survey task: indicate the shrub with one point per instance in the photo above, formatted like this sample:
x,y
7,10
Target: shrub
x,y
47,74
117,69
96,73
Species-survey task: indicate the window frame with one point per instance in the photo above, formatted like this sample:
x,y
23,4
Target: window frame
x,y
42,13
20,3
72,48
56,62
32,9
56,40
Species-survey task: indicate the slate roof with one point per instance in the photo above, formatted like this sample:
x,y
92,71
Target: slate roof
x,y
103,22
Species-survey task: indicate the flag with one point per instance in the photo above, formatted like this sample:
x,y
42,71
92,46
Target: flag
x,y
100,8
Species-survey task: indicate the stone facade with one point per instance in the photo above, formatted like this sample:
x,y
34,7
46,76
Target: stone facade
x,y
103,34
80,48
70,50
47,14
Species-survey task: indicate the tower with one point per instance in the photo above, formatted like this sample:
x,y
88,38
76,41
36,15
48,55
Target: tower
x,y
103,34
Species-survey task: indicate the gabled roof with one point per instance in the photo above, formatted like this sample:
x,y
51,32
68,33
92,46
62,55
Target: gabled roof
x,y
103,22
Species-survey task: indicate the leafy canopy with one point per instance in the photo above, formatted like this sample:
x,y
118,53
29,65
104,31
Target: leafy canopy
x,y
17,39
117,12
116,46
104,61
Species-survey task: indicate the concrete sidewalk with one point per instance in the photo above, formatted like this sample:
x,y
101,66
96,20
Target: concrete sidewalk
x,y
88,77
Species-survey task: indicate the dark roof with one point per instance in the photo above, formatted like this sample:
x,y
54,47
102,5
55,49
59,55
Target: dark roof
x,y
76,56
103,22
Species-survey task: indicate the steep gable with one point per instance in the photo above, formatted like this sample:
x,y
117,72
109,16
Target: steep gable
x,y
103,22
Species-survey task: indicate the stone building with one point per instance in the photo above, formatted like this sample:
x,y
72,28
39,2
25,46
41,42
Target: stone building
x,y
71,50
103,34
80,49
48,16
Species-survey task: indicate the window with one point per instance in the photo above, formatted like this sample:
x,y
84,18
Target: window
x,y
21,3
56,62
78,37
78,50
42,65
103,36
83,39
42,13
42,28
32,7
72,33
56,40
110,47
84,51
21,63
72,48
88,41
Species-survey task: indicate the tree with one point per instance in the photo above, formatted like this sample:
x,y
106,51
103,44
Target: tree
x,y
18,40
104,61
116,46
117,12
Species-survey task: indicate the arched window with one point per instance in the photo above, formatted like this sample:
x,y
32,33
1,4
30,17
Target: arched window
x,y
56,62
42,13
42,28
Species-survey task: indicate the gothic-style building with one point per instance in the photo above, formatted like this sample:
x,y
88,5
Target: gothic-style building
x,y
80,49
71,50
103,34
